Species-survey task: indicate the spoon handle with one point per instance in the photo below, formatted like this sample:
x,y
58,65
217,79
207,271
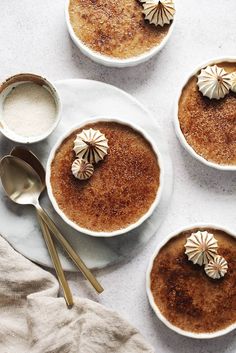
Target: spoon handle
x,y
70,251
56,262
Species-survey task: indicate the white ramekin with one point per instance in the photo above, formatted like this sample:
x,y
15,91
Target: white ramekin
x,y
178,130
110,61
120,231
149,292
6,87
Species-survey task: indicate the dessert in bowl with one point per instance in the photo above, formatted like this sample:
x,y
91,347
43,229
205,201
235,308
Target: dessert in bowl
x,y
120,33
205,114
109,190
191,281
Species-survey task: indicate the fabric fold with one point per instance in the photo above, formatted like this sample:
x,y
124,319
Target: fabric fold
x,y
33,319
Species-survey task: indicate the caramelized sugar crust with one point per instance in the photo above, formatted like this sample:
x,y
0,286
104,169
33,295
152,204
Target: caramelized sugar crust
x,y
185,295
122,188
114,28
209,126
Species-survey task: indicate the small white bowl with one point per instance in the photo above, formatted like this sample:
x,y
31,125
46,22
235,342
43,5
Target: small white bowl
x,y
150,296
119,231
5,89
111,61
178,130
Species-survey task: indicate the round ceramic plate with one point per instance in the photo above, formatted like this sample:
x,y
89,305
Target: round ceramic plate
x,y
82,99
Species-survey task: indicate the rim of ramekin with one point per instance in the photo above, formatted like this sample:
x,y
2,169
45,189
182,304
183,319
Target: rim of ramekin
x,y
178,130
203,335
110,61
141,219
53,91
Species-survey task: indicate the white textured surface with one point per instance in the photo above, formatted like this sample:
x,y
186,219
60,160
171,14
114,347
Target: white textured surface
x,y
33,37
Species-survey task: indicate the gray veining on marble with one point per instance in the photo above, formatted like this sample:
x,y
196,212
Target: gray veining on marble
x,y
33,37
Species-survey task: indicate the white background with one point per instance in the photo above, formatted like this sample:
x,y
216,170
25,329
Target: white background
x,y
33,37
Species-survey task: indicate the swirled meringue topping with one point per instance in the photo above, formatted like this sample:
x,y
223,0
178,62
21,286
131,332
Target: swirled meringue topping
x,y
217,267
201,247
158,12
81,169
214,82
233,82
91,145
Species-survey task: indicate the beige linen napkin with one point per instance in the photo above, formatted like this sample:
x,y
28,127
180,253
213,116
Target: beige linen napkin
x,y
34,320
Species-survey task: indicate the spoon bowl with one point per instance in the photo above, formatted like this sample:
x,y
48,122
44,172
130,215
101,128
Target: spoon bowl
x,y
20,181
30,158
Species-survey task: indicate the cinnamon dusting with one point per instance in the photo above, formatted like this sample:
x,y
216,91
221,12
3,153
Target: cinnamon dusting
x,y
184,294
122,188
209,126
114,28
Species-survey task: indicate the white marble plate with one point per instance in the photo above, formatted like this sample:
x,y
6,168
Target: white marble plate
x,y
83,99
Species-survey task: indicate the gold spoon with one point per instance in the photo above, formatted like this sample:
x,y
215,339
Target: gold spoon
x,y
32,160
23,186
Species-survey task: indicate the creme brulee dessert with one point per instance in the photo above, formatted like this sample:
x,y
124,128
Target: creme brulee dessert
x,y
192,291
110,188
118,28
209,124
